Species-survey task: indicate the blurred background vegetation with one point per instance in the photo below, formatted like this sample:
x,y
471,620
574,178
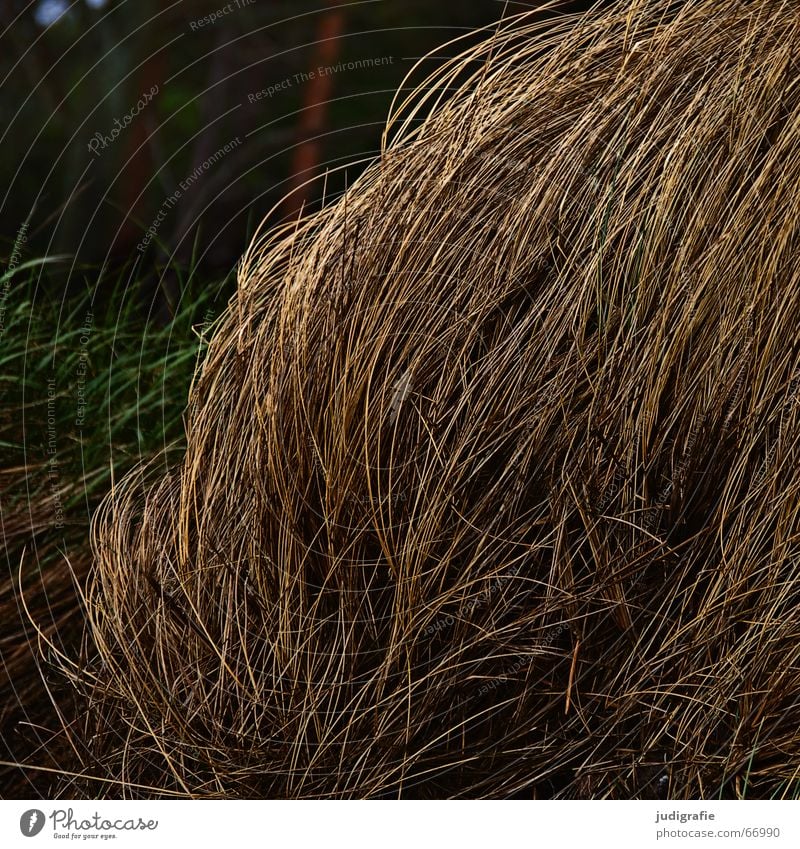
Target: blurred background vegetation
x,y
76,72
82,72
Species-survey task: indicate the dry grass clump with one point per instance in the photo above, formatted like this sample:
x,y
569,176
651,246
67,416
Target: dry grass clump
x,y
38,588
492,476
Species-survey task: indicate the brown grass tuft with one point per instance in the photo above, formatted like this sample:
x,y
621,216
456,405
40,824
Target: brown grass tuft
x,y
492,476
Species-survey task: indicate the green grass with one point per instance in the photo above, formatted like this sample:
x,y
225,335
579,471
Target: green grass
x,y
134,376
131,376
101,350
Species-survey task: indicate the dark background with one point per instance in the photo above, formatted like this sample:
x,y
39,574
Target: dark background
x,y
74,71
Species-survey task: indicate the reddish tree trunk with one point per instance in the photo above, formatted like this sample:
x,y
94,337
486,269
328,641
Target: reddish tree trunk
x,y
307,155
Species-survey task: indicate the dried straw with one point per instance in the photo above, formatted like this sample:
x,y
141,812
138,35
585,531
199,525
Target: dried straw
x,y
492,476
